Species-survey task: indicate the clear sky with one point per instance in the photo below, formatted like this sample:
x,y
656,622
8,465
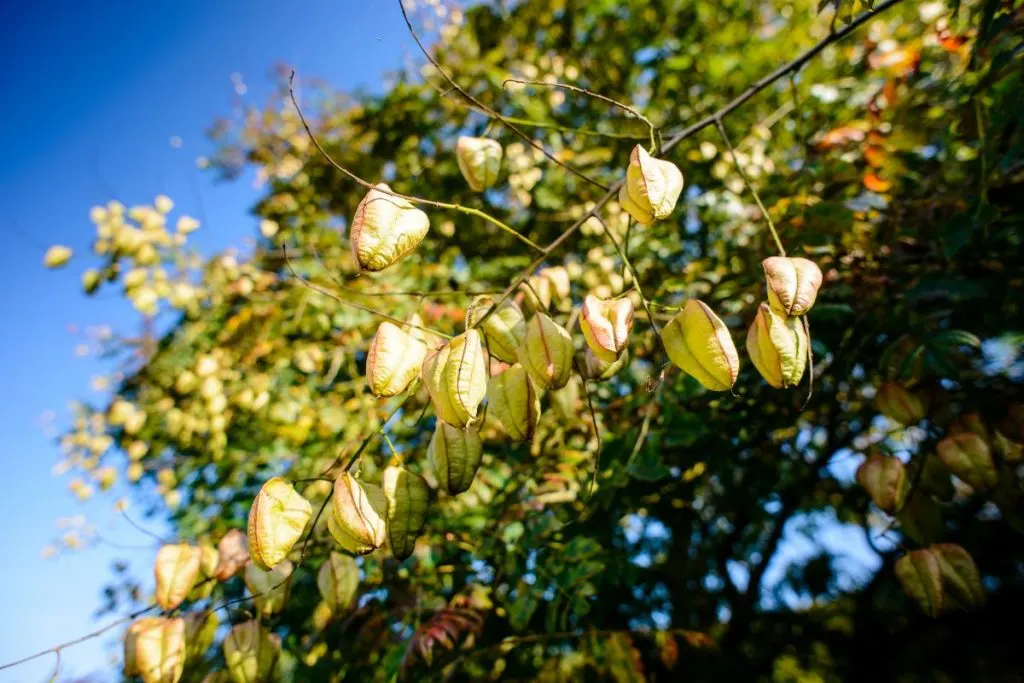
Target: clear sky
x,y
92,92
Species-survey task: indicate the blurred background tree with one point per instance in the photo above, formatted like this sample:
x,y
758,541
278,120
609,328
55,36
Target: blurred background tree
x,y
645,537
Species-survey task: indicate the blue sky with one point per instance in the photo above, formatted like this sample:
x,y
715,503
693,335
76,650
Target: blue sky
x,y
92,94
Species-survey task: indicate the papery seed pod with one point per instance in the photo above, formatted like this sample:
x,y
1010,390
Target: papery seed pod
x,y
558,277
969,458
606,324
200,629
513,400
596,369
456,378
277,518
777,346
175,569
565,402
479,161
503,329
338,581
898,404
408,497
393,360
921,577
358,515
269,588
414,327
546,352
455,454
793,284
961,582
652,187
970,423
535,292
885,480
385,228
698,342
232,554
131,636
251,653
160,650
207,578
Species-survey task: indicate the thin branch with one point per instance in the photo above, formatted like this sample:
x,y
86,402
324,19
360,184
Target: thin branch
x,y
141,528
586,132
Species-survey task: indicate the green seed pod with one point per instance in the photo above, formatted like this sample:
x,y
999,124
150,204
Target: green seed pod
x,y
546,352
503,329
358,514
514,402
454,454
652,187
969,458
698,342
393,360
898,404
269,587
921,577
606,324
960,579
338,581
408,497
200,629
251,653
479,161
536,293
160,650
778,347
456,378
596,369
885,480
176,569
232,554
793,284
385,228
277,518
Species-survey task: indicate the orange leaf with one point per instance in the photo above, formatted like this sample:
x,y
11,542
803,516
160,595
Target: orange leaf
x,y
840,136
900,61
876,184
875,156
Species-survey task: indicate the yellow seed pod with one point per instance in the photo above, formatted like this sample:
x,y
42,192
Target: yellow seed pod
x,y
408,497
208,558
232,555
385,228
514,402
793,284
394,360
251,653
961,582
176,569
277,518
338,581
454,454
358,513
269,588
456,378
698,342
885,480
968,457
56,256
596,369
503,329
536,293
558,277
479,161
131,637
778,347
606,324
160,650
921,577
546,352
652,187
899,404
200,629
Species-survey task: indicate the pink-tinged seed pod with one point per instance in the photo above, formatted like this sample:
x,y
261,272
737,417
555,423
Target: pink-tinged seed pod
x,y
175,569
385,228
961,581
606,324
160,650
652,187
479,161
358,515
232,554
454,454
546,352
514,401
269,588
968,457
899,404
393,360
408,497
338,581
777,346
699,343
921,577
504,329
456,378
885,480
793,284
277,518
250,653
